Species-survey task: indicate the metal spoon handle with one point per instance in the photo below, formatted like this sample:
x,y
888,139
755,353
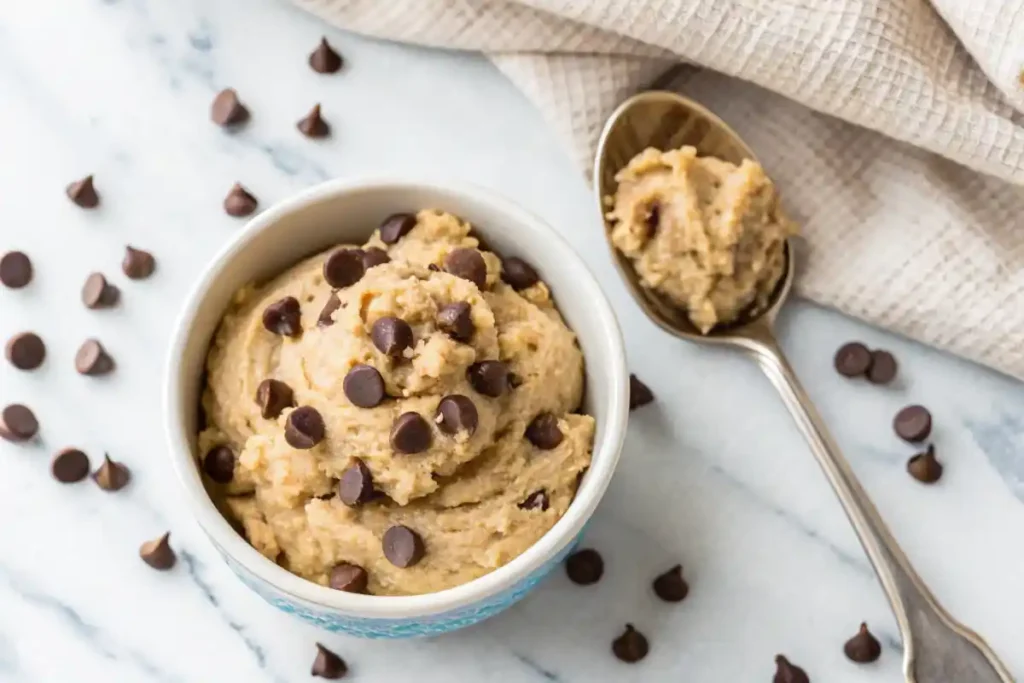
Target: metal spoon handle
x,y
937,649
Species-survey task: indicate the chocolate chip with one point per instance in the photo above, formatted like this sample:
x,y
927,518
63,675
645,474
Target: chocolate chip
x,y
69,466
273,396
26,351
852,359
83,193
227,109
538,500
631,646
92,359
137,264
433,268
456,413
112,475
219,464
652,219
158,553
639,393
313,125
344,267
883,367
924,467
456,320
489,377
324,60
348,577
410,434
304,428
15,269
239,202
543,432
327,664
585,567
467,264
333,303
785,672
391,336
396,226
518,274
98,293
355,486
364,386
18,423
402,546
863,648
372,256
671,586
913,424
283,317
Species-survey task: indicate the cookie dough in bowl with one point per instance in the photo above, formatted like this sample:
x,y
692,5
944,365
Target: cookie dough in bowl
x,y
707,235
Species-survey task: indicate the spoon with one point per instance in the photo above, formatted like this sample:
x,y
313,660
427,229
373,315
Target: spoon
x,y
936,648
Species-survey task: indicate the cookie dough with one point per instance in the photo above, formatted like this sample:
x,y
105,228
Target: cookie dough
x,y
704,233
489,474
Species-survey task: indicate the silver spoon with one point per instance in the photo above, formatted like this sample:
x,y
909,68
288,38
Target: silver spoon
x,y
936,648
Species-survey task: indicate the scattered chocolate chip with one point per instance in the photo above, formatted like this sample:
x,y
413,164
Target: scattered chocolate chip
x,y
98,293
70,465
913,424
304,428
26,351
489,377
313,125
112,475
15,269
671,586
396,226
327,664
538,500
333,303
585,567
518,274
273,396
883,367
324,59
863,648
785,672
83,193
219,464
364,386
852,359
355,486
348,577
158,553
456,321
456,413
227,109
631,646
543,432
372,256
137,264
92,359
344,267
18,423
284,317
652,219
468,264
411,434
639,393
402,546
924,467
392,336
239,202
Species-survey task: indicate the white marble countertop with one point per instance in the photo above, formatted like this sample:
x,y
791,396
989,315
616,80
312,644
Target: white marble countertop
x,y
714,475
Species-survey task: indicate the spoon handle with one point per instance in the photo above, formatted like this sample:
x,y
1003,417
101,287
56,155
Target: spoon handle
x,y
937,649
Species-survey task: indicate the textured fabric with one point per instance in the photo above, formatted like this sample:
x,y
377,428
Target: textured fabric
x,y
895,128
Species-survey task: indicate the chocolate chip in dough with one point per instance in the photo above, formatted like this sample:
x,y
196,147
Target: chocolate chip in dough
x,y
392,336
786,672
355,486
913,424
883,367
26,351
518,274
456,413
227,109
411,434
538,500
283,317
18,423
863,648
924,467
456,320
543,432
639,393
671,586
364,386
219,464
585,567
158,553
403,547
313,125
468,264
98,293
348,577
112,475
489,377
273,396
327,664
653,219
239,202
344,267
372,256
137,263
69,466
333,303
92,359
83,193
15,269
631,646
852,359
304,428
396,226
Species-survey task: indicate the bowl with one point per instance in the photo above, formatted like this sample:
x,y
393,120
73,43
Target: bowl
x,y
346,211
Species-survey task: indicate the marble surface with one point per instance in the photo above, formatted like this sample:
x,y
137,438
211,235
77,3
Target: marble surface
x,y
714,475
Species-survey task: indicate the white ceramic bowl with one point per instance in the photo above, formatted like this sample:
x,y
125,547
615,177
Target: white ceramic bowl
x,y
345,211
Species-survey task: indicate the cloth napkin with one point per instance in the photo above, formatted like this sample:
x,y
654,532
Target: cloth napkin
x,y
894,128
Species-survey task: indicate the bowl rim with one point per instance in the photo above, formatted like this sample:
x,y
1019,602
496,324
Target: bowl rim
x,y
605,454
